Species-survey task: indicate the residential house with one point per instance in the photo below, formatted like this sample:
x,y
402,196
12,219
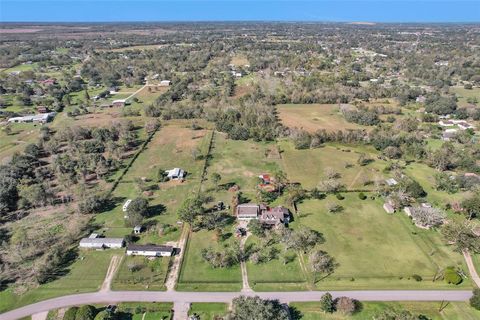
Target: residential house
x,y
449,134
266,215
391,182
446,123
94,242
267,183
175,174
165,83
119,103
149,250
41,118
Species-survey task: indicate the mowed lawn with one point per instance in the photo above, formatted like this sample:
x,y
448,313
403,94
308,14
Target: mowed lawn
x,y
22,134
274,274
197,275
86,274
308,166
150,274
208,311
452,311
313,117
172,146
375,249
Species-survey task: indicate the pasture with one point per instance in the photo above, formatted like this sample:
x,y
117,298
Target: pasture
x,y
313,117
307,166
375,249
172,146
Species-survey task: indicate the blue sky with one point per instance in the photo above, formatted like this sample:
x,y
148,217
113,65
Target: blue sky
x,y
240,10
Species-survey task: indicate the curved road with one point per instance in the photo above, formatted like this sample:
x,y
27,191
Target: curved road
x,y
187,297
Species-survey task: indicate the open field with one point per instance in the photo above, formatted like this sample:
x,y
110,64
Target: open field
x,y
375,249
86,274
240,162
22,134
239,60
150,276
275,275
171,147
313,117
198,275
453,310
463,94
307,166
208,311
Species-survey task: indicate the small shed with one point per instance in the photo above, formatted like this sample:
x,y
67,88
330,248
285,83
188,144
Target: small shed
x,y
137,229
388,208
391,182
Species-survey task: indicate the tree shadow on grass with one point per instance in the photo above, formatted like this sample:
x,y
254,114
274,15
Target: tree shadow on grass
x,y
295,314
156,210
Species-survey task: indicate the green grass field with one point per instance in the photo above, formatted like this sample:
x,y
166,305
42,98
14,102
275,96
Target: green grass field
x,y
86,274
375,249
275,275
145,310
313,117
307,166
171,147
151,275
462,94
453,310
208,311
198,275
241,162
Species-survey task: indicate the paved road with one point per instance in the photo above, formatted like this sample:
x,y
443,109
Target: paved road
x,y
188,297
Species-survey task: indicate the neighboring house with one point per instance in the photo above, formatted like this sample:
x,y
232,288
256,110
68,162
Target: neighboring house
x,y
388,208
165,83
266,179
41,118
119,103
408,211
449,134
149,250
175,174
391,182
42,109
420,99
93,242
266,215
446,123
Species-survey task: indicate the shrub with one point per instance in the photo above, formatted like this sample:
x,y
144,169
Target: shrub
x,y
475,299
346,305
339,196
451,276
362,196
70,313
417,277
